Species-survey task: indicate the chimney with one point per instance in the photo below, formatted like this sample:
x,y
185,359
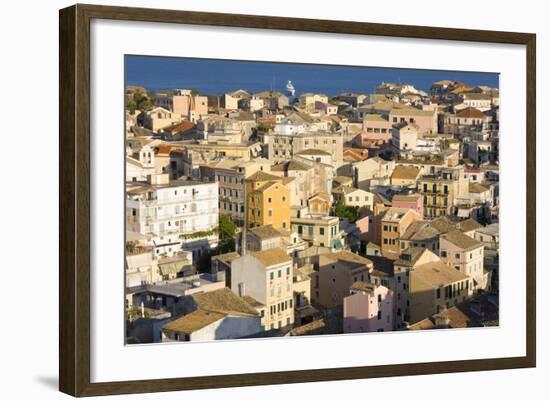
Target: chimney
x,y
441,321
242,291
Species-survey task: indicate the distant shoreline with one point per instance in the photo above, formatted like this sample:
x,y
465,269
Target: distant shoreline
x,y
216,77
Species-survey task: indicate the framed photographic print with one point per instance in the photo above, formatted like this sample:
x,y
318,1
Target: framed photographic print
x,y
249,200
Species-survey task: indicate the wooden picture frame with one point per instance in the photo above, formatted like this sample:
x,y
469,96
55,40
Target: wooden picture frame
x,y
75,207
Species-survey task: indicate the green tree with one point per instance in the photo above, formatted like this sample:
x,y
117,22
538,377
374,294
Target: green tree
x,y
143,101
131,105
264,127
349,212
227,229
205,259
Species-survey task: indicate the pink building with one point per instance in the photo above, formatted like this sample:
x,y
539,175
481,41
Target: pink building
x,y
376,128
426,120
368,308
412,201
366,229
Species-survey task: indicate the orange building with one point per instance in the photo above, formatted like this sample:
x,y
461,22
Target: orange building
x,y
395,222
267,201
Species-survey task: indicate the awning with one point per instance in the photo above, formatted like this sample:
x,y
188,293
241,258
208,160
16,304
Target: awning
x,y
169,269
463,213
337,244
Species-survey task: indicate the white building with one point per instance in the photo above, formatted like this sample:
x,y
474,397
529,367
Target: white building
x,y
404,136
266,276
183,209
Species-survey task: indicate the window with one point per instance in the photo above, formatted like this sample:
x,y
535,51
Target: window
x,y
321,231
268,200
279,273
270,213
457,255
271,276
438,293
379,315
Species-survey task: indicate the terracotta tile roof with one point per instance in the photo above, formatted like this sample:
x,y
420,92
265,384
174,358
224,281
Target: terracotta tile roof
x,y
193,321
437,274
424,324
421,230
322,195
223,301
469,225
406,198
261,176
477,96
346,257
476,188
480,311
405,172
253,302
355,154
291,165
272,257
342,179
163,150
410,256
315,327
265,232
375,117
182,126
461,240
226,257
471,112
313,152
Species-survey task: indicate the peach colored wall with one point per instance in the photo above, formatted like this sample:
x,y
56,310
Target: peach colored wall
x,y
376,136
426,124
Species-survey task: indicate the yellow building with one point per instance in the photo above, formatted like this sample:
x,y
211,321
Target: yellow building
x,y
267,201
442,191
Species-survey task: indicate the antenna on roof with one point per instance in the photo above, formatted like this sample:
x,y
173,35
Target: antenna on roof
x,y
243,231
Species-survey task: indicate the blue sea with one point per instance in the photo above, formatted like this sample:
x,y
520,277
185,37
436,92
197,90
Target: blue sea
x,y
211,76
